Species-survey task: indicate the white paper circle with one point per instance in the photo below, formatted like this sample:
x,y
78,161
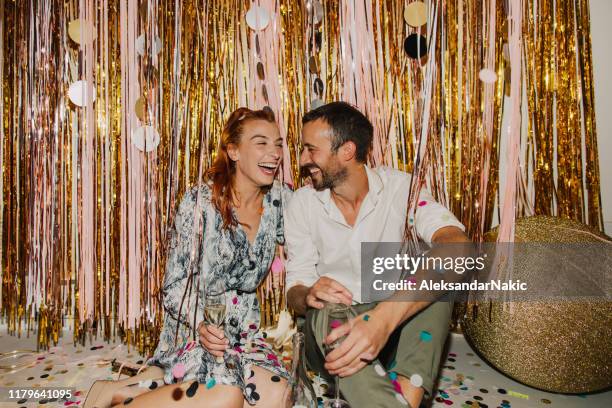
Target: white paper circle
x,y
487,76
316,103
145,138
401,399
315,11
140,45
379,370
81,31
81,93
416,380
257,18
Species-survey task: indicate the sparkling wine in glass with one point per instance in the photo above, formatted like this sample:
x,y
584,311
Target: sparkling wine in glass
x,y
215,308
336,314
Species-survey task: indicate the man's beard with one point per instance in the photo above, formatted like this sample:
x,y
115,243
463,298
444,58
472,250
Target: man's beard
x,y
330,177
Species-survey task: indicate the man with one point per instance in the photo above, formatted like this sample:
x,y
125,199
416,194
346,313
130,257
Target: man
x,y
349,203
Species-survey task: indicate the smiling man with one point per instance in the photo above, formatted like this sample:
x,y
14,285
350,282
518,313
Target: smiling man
x,y
347,204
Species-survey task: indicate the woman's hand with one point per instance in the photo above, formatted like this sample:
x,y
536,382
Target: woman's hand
x,y
213,339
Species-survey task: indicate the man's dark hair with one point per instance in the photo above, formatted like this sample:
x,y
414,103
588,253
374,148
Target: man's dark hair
x,y
347,124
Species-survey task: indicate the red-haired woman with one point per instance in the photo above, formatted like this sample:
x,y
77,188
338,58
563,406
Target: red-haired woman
x,y
240,211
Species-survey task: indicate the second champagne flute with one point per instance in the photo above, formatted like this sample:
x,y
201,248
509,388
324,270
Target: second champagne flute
x,y
336,314
215,308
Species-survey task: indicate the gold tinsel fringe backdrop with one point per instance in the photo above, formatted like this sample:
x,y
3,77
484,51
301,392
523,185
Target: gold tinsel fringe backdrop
x,y
110,110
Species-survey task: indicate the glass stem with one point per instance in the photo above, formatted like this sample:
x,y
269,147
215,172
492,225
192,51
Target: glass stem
x,y
337,381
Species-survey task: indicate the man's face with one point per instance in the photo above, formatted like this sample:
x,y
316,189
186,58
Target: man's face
x,y
317,159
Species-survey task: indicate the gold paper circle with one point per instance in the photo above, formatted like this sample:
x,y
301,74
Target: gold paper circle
x,y
557,346
415,14
140,108
260,71
313,65
81,31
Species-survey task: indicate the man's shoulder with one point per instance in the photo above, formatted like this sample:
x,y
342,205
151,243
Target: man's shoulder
x,y
389,175
304,192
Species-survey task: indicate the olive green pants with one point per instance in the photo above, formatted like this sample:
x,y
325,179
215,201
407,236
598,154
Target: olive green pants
x,y
414,348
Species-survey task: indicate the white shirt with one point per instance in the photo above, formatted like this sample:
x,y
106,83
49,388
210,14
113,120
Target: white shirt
x,y
319,242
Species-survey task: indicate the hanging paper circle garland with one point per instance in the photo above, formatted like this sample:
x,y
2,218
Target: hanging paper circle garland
x,y
487,76
316,103
81,31
145,138
81,93
140,108
318,87
415,46
257,18
315,11
415,14
154,48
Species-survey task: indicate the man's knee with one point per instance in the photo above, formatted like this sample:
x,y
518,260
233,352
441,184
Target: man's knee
x,y
313,340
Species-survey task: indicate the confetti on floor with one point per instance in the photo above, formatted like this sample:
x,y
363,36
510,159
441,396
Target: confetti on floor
x,y
465,381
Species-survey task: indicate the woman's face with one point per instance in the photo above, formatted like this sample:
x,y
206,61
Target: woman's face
x,y
259,153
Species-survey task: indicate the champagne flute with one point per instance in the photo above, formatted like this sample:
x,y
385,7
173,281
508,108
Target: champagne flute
x,y
215,308
336,314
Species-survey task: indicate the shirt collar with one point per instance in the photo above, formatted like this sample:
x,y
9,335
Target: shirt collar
x,y
375,187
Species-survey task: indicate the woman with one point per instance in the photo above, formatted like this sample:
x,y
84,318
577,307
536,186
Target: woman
x,y
240,211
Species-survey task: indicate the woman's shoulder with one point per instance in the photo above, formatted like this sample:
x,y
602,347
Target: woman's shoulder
x,y
284,190
199,194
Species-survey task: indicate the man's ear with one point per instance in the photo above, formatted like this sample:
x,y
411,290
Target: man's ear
x,y
348,151
232,152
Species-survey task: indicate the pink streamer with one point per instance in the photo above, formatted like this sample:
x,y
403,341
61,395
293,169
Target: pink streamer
x,y
508,213
87,265
363,71
132,176
488,116
272,44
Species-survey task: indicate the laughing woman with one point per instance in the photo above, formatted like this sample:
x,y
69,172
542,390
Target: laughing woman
x,y
240,208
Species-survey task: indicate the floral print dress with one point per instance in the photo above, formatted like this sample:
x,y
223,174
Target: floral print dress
x,y
226,256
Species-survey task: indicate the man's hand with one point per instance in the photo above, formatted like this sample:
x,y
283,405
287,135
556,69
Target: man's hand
x,y
364,340
213,339
327,290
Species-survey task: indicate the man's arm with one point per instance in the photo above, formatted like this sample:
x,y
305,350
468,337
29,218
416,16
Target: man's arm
x,y
301,297
366,338
304,288
398,312
296,299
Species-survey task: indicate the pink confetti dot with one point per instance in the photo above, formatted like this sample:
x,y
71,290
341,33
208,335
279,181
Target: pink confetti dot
x,y
238,349
448,402
396,386
252,326
178,371
422,203
272,357
335,323
235,300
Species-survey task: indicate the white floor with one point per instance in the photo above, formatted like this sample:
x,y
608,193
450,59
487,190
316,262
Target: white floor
x,y
465,382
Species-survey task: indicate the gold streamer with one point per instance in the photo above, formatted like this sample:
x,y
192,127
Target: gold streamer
x,y
193,84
